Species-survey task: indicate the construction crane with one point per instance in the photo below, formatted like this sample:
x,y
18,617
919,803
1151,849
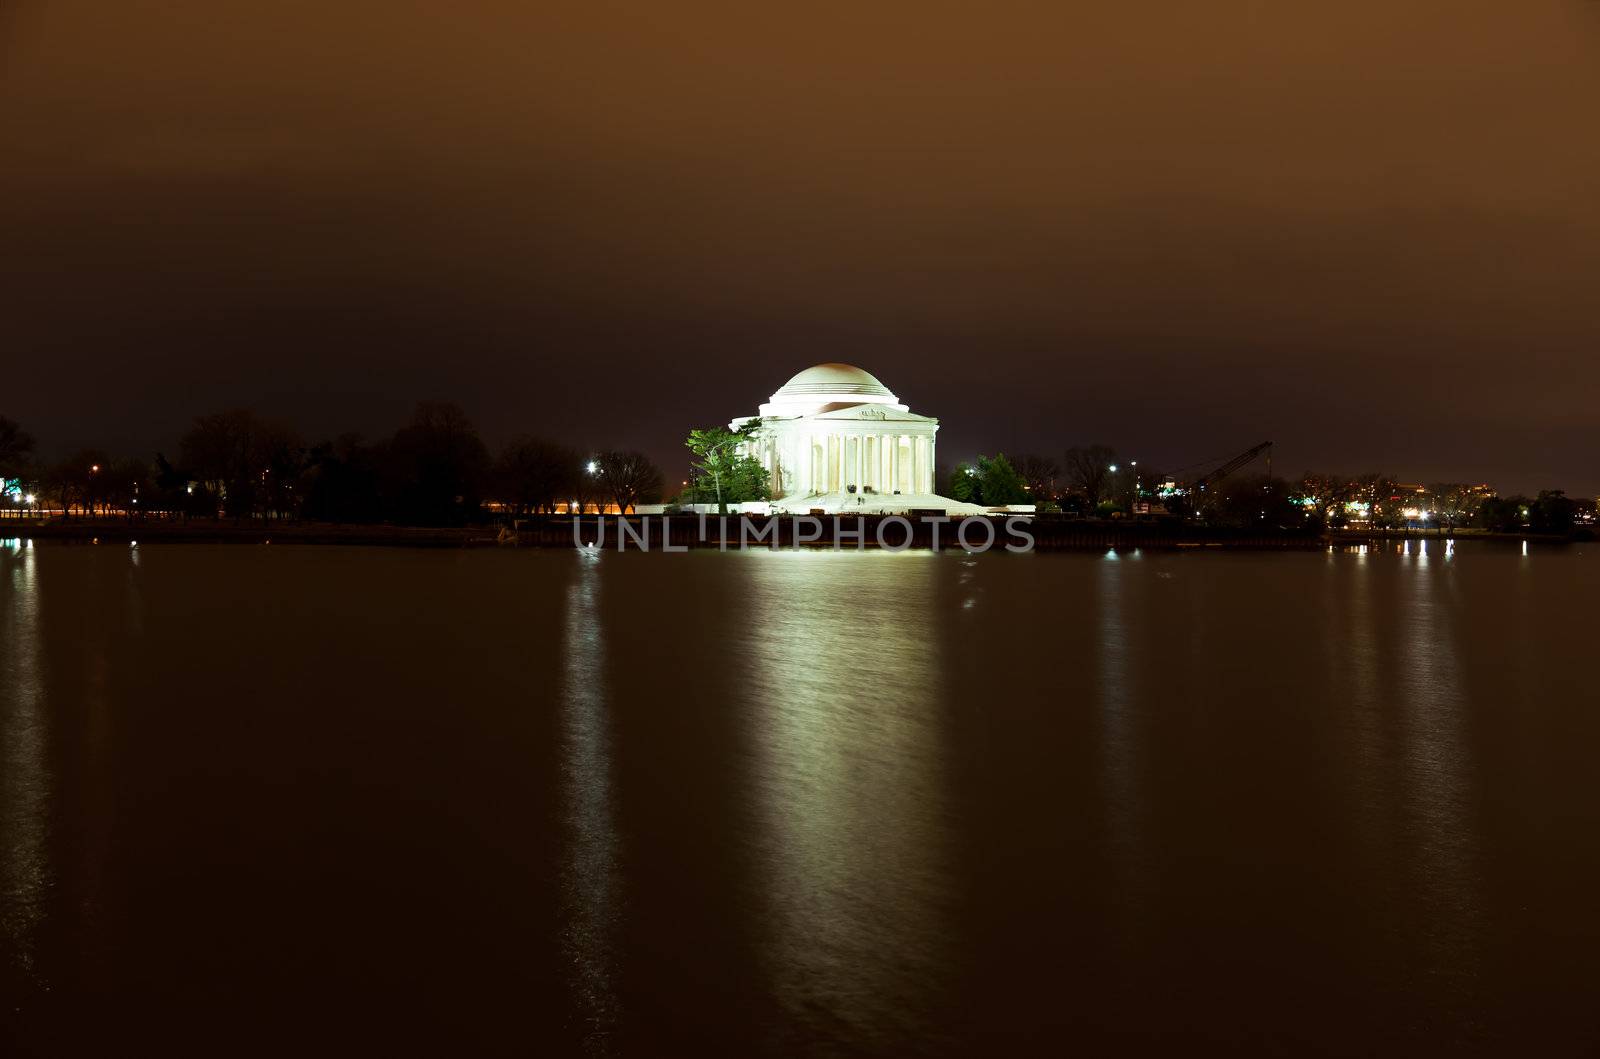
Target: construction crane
x,y
1211,478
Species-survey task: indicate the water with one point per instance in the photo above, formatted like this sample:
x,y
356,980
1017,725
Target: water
x,y
260,798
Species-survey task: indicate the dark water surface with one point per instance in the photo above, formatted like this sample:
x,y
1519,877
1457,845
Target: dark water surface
x,y
255,799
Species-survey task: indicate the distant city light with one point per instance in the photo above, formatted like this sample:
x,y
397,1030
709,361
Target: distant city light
x,y
1113,468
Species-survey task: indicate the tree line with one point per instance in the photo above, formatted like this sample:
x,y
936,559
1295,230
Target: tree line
x,y
1095,481
435,470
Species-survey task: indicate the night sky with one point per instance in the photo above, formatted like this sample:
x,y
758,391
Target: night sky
x,y
1369,231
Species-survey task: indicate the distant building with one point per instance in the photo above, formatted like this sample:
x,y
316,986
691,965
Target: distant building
x,y
835,439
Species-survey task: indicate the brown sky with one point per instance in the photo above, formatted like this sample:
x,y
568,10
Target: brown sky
x,y
1369,231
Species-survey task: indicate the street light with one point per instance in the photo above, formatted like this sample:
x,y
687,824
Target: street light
x,y
591,467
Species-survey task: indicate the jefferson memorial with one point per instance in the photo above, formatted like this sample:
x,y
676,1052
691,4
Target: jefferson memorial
x,y
834,439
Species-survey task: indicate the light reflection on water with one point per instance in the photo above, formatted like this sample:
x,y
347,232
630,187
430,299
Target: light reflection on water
x,y
26,784
589,888
1119,746
913,803
1438,771
848,768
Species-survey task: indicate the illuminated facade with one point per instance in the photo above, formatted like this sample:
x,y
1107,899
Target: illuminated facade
x,y
834,438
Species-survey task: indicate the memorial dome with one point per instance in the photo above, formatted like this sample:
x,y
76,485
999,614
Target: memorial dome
x,y
824,385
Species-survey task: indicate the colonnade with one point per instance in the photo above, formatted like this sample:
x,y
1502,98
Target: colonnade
x,y
831,463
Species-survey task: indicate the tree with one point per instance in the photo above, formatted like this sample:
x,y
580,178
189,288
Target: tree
x,y
282,457
76,481
1329,493
216,449
629,477
341,482
999,483
127,486
993,481
720,456
17,477
1377,492
1089,470
1456,503
436,466
1504,514
531,475
175,492
250,463
1258,502
1552,512
963,483
16,449
1040,474
587,488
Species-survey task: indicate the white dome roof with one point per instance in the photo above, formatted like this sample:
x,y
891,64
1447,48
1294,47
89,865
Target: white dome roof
x,y
824,385
833,379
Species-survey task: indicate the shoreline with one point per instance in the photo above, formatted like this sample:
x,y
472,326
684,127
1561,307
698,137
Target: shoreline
x,y
556,531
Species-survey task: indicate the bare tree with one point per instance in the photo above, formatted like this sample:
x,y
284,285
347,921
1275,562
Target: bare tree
x,y
1329,493
531,474
251,463
1456,503
1089,470
1042,476
628,477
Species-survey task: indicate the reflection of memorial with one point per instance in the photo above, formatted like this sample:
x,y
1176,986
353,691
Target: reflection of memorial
x,y
849,777
834,438
589,885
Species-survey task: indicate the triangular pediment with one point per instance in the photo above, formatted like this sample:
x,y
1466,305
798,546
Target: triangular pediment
x,y
868,413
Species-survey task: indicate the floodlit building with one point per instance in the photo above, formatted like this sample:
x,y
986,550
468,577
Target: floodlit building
x,y
835,439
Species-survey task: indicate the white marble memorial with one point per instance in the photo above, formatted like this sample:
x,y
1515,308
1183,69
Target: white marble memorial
x,y
835,439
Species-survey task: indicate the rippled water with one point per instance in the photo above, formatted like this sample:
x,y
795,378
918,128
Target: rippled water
x,y
257,799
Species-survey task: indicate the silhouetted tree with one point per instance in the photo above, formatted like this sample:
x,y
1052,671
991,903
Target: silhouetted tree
x,y
532,475
962,484
248,462
1041,475
175,493
76,482
1258,502
16,449
1089,471
340,482
126,486
1504,514
282,457
436,467
1552,511
629,478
